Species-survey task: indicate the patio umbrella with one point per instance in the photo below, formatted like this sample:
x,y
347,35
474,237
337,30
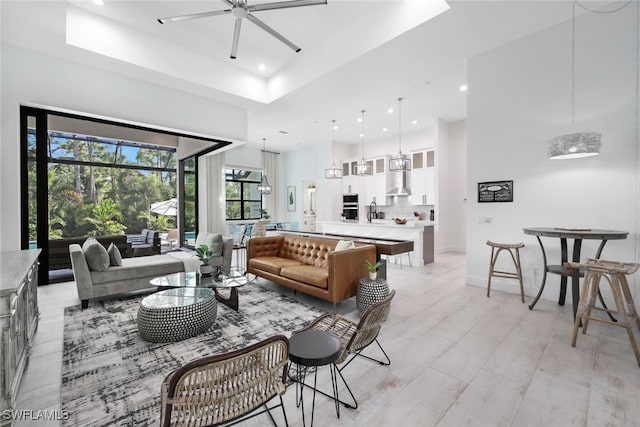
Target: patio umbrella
x,y
166,207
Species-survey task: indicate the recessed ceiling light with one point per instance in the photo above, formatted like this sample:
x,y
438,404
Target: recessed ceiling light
x,y
335,127
360,121
384,129
361,135
284,132
463,88
262,67
390,110
414,122
98,2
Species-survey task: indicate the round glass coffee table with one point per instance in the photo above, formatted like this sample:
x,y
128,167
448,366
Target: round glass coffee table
x,y
193,279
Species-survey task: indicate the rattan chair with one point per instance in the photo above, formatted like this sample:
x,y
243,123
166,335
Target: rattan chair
x,y
355,337
227,388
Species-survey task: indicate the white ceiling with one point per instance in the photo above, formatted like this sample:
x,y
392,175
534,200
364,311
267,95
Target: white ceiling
x,y
356,54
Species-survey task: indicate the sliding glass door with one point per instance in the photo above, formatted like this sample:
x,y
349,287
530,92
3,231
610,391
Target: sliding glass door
x,y
33,181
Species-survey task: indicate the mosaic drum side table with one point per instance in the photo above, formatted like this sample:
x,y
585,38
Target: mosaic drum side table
x,y
176,314
370,292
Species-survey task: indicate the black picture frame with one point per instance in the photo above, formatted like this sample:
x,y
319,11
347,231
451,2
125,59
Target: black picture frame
x,y
495,191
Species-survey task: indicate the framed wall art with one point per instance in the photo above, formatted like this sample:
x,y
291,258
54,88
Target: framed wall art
x,y
495,191
291,198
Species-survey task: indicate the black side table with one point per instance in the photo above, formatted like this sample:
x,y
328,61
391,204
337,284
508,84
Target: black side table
x,y
314,348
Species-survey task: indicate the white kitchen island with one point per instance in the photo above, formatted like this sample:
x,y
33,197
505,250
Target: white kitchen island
x,y
420,232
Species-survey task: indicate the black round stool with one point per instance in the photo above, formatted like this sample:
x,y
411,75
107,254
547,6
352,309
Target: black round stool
x,y
314,348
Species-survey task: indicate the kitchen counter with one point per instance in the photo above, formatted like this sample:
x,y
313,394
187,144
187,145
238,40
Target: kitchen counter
x,y
421,233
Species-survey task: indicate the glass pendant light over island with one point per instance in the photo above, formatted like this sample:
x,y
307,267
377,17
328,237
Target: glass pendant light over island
x,y
400,162
264,187
333,172
362,168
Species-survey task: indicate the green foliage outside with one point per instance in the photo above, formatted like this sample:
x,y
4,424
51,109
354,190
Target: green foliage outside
x,y
105,218
98,200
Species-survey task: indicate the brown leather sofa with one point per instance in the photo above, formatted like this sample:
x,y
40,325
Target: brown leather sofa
x,y
309,265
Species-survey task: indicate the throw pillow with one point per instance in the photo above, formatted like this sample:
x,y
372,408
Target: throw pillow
x,y
345,244
115,258
95,254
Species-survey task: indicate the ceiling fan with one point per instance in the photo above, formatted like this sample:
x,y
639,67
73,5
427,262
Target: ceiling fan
x,y
240,9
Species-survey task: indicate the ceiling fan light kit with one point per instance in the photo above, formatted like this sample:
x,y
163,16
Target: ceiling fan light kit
x,y
240,9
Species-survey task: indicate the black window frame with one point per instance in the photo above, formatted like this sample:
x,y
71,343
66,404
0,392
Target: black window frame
x,y
235,172
40,115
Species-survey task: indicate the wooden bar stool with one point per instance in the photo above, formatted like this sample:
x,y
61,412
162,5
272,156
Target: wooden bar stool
x,y
614,273
514,250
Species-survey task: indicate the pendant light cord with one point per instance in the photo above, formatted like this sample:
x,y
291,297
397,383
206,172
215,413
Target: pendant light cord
x,y
637,130
573,64
333,138
363,111
399,125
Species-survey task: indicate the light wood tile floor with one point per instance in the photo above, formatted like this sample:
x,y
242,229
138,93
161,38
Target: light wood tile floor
x,y
458,359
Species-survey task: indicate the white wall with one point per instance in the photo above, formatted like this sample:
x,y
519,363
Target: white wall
x,y
308,164
518,99
451,186
29,77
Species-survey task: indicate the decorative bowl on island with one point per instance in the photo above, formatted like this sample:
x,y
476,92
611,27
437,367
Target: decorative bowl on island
x,y
400,221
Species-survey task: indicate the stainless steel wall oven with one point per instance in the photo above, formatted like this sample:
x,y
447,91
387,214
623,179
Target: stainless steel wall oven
x,y
350,207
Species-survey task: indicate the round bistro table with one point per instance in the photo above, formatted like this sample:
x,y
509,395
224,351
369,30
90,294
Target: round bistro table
x,y
577,234
312,348
176,314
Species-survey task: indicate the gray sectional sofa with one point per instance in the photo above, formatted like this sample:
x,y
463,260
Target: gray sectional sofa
x,y
135,273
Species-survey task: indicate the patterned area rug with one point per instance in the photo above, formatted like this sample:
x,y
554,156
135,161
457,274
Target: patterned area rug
x,y
110,376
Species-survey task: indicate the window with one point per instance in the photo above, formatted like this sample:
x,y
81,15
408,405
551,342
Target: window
x,y
243,199
103,186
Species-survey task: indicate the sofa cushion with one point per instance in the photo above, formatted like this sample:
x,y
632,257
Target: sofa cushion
x,y
137,268
115,258
212,240
307,250
316,276
272,264
345,244
95,254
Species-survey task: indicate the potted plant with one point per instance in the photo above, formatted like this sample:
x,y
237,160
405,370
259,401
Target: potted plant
x,y
373,269
205,255
264,214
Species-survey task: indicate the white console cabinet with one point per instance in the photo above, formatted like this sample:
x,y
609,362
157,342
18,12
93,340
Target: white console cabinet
x,y
18,320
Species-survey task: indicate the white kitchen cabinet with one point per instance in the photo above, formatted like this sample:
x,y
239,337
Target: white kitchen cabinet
x,y
376,186
351,185
423,177
376,190
350,181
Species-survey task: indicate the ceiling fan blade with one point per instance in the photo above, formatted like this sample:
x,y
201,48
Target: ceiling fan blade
x,y
193,16
273,32
236,38
285,4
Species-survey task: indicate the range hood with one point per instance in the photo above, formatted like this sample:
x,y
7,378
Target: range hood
x,y
401,183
